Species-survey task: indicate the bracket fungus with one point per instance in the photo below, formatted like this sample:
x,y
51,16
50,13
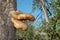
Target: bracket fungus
x,y
18,19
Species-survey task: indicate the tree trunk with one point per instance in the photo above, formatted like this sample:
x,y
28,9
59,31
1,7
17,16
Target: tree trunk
x,y
7,31
45,11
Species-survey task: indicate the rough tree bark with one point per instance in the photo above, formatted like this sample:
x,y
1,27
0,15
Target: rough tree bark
x,y
7,31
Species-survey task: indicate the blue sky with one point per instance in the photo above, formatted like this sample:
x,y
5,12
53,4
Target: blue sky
x,y
26,7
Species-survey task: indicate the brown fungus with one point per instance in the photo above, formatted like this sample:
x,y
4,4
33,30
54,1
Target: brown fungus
x,y
18,19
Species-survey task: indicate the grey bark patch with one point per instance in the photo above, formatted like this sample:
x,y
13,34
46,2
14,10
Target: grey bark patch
x,y
7,31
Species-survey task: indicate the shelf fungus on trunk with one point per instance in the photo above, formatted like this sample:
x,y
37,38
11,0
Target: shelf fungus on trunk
x,y
18,19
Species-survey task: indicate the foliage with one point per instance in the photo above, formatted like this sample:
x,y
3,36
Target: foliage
x,y
37,5
31,34
47,31
26,35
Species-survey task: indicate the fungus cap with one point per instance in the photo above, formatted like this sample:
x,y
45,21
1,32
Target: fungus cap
x,y
19,24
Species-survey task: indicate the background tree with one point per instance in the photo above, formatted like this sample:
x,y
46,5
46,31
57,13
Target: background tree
x,y
55,5
41,4
53,25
